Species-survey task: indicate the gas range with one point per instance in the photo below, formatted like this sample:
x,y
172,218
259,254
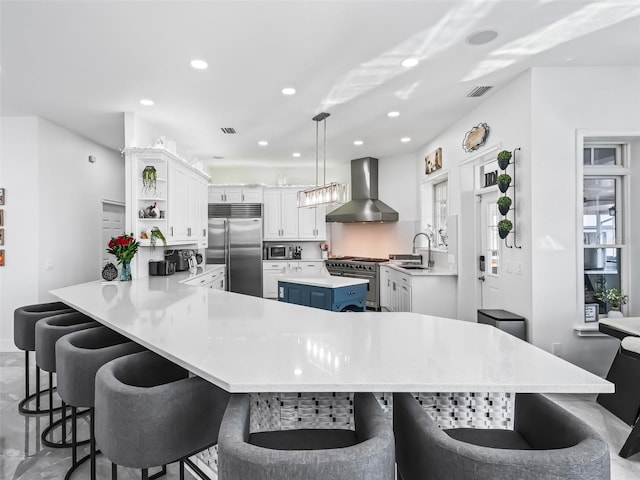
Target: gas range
x,y
354,263
359,267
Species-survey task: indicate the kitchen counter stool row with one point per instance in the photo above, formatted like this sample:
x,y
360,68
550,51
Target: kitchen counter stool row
x,y
147,412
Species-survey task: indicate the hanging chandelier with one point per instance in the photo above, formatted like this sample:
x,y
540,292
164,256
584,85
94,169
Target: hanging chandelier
x,y
327,193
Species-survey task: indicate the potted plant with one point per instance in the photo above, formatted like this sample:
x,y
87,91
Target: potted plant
x,y
504,180
124,247
504,204
504,227
503,159
614,298
155,235
149,177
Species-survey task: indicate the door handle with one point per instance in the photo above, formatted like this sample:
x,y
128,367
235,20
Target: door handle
x,y
481,278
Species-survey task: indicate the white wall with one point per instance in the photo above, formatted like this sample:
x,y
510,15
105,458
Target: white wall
x,y
507,112
19,172
566,100
275,174
55,207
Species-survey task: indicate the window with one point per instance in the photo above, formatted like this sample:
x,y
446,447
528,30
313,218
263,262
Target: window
x,y
602,155
440,213
603,239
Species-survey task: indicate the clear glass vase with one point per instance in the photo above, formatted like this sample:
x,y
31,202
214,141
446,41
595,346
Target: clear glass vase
x,y
125,271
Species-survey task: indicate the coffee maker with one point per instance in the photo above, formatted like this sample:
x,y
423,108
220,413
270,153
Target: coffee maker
x,y
297,252
180,258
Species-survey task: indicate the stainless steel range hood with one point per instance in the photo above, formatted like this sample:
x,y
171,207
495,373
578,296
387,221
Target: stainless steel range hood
x,y
364,205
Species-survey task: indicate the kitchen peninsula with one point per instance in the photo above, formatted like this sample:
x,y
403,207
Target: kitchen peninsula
x,y
248,344
288,355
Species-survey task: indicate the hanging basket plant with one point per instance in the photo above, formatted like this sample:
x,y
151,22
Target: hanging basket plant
x,y
504,204
504,157
504,227
504,180
149,177
155,235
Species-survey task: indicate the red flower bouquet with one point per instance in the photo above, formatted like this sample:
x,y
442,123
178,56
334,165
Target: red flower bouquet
x,y
124,247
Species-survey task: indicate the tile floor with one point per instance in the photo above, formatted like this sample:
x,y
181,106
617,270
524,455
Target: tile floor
x,y
22,456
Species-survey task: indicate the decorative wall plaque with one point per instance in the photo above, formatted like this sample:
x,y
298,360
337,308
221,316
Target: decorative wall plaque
x,y
476,137
433,161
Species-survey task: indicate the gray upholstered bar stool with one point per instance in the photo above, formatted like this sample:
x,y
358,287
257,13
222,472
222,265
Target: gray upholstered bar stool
x,y
547,442
24,337
79,355
149,412
48,331
365,454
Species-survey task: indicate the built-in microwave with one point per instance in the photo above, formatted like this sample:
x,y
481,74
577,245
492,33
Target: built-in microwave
x,y
279,252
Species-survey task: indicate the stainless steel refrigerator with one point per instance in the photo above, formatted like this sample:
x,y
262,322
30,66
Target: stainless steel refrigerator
x,y
235,240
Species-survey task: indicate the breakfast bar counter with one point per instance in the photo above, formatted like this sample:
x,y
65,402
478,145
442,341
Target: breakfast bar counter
x,y
248,344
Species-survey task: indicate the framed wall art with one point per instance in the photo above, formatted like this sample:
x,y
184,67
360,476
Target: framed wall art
x,y
1,217
2,258
1,196
433,161
1,236
591,313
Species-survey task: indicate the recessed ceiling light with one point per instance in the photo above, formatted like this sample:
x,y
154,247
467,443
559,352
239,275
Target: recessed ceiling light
x,y
405,139
482,37
393,114
409,62
288,91
199,64
358,142
296,154
263,143
146,102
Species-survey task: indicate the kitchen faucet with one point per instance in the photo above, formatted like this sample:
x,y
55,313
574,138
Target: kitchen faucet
x,y
429,261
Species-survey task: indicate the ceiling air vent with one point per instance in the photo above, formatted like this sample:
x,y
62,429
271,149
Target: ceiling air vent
x,y
228,130
478,91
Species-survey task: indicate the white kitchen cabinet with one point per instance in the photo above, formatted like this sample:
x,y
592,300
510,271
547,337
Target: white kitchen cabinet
x,y
429,294
271,273
187,206
234,194
312,224
280,214
213,279
310,268
180,197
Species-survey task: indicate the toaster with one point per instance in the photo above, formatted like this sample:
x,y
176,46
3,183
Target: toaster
x,y
162,267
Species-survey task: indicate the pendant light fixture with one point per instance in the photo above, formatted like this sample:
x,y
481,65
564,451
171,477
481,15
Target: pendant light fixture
x,y
327,193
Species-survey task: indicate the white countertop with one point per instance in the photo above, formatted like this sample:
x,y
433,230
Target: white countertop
x,y
630,325
420,272
248,344
327,282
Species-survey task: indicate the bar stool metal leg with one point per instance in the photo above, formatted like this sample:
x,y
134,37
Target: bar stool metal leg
x,y
28,397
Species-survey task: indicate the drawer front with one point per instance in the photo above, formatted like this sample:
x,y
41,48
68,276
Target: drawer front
x,y
349,293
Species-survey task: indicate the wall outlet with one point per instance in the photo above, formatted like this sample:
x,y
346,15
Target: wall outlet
x,y
518,268
48,265
508,267
556,349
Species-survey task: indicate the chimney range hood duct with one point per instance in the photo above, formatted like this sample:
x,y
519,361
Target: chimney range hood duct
x,y
364,205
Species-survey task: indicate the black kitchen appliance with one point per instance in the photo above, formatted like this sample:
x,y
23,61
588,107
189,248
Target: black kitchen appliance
x,y
161,267
180,258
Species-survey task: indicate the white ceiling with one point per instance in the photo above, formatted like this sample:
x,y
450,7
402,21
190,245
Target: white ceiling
x,y
82,63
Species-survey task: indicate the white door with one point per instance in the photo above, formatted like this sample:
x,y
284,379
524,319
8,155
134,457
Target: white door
x,y
112,226
491,249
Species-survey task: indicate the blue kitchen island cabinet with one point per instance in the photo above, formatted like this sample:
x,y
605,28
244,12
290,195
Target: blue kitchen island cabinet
x,y
338,294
